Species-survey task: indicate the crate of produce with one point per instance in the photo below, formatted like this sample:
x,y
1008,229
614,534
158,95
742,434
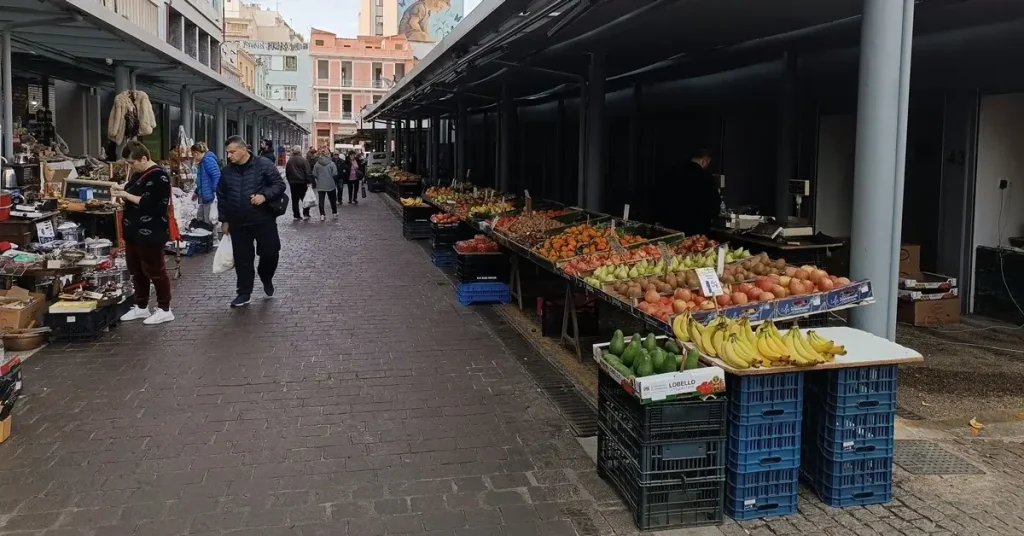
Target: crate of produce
x,y
852,391
675,420
469,293
840,484
471,267
851,437
687,501
419,213
81,325
765,398
761,493
551,313
443,259
416,230
759,447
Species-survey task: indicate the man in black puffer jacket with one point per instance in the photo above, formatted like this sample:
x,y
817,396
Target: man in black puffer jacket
x,y
246,185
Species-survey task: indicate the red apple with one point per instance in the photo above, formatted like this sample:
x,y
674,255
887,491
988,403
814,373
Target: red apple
x,y
842,281
784,280
685,294
679,307
707,305
801,274
723,300
796,287
765,285
766,296
740,298
699,300
825,284
778,291
744,287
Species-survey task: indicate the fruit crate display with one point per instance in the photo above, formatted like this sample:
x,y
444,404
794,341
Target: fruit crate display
x,y
760,447
470,293
845,438
765,398
418,230
853,391
761,493
851,483
470,267
419,213
552,311
687,501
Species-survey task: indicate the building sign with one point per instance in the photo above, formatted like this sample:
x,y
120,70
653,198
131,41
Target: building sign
x,y
283,46
428,20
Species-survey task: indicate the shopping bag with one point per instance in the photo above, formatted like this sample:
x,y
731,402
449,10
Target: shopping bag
x,y
224,259
309,200
363,188
214,214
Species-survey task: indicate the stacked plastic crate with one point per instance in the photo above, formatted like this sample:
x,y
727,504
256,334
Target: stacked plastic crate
x,y
442,241
763,462
416,222
849,435
666,459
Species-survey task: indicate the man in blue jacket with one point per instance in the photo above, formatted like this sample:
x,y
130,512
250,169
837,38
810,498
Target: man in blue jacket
x,y
207,178
247,184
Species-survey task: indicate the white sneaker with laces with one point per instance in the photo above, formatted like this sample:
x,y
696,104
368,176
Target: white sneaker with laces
x,y
159,317
135,313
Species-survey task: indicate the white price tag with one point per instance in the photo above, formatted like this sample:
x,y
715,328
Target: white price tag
x,y
665,253
709,282
625,212
526,193
721,260
70,320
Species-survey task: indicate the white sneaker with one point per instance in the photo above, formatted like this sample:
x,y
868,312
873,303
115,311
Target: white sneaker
x,y
135,313
159,317
323,218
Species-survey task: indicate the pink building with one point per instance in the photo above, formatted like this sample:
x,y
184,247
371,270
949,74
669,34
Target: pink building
x,y
349,74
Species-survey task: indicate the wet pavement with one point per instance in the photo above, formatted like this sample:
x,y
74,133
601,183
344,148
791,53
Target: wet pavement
x,y
362,401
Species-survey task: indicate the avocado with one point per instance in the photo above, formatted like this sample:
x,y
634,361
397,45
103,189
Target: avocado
x,y
679,361
631,352
611,359
650,343
645,367
658,360
617,346
672,348
691,360
640,357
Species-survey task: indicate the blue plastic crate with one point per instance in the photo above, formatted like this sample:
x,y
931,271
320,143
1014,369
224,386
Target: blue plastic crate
x,y
761,493
856,390
443,260
765,398
759,447
848,483
851,437
469,293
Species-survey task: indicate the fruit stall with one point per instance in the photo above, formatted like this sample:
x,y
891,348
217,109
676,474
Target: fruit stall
x,y
733,396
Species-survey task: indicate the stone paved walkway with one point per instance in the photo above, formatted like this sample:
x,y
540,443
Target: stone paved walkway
x,y
361,401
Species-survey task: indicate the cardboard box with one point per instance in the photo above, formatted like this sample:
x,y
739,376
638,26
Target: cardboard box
x,y
21,318
920,295
671,386
910,260
929,312
927,281
5,429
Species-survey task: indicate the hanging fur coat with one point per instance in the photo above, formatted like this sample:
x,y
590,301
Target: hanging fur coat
x,y
131,116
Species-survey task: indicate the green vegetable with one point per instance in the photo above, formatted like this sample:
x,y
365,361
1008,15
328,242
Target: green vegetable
x,y
631,352
691,360
658,360
672,348
617,345
650,343
645,367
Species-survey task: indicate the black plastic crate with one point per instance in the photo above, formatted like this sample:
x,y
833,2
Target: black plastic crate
x,y
81,325
416,230
448,233
418,214
551,313
689,500
674,420
471,267
408,189
203,244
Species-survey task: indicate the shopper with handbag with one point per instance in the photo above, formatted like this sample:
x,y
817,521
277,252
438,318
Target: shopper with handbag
x,y
250,197
351,173
324,172
299,177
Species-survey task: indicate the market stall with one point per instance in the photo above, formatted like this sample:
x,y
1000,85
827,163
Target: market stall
x,y
734,379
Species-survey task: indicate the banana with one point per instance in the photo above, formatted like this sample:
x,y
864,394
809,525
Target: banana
x,y
767,350
706,338
679,324
805,346
718,339
795,356
729,355
776,342
749,333
744,349
819,343
696,331
740,351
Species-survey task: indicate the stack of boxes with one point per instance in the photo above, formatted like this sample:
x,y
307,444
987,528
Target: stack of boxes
x,y
763,460
925,299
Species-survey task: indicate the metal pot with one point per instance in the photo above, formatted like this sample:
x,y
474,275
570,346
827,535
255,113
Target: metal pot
x,y
104,279
98,250
21,158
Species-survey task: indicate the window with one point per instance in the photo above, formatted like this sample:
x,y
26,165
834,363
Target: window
x,y
346,106
346,73
399,46
291,63
319,42
399,71
289,92
322,69
378,24
238,27
323,133
376,99
323,102
378,74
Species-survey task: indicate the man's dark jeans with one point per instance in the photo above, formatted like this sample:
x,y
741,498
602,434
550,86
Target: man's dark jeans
x,y
298,193
247,241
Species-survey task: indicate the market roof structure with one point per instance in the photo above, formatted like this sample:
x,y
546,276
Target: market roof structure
x,y
81,40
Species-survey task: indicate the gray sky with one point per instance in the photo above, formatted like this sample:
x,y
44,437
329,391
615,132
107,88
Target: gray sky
x,y
338,16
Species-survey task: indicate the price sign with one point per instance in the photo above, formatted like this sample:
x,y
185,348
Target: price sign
x,y
613,243
625,212
721,260
494,222
663,249
709,282
44,230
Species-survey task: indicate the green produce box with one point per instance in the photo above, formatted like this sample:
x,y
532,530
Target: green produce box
x,y
694,383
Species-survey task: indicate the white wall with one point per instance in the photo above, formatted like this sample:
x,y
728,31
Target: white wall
x,y
1000,156
833,192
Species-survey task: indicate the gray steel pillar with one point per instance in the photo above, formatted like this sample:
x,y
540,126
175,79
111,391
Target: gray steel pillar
x,y
581,179
596,127
220,121
388,142
133,78
122,79
254,132
435,149
506,151
185,105
45,83
461,140
906,44
417,152
874,180
243,130
7,129
408,166
563,184
785,138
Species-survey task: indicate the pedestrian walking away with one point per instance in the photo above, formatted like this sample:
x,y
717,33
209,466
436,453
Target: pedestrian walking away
x,y
299,176
324,172
248,185
207,178
352,172
146,228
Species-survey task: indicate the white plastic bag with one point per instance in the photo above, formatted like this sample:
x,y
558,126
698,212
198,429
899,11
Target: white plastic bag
x,y
309,200
213,212
224,259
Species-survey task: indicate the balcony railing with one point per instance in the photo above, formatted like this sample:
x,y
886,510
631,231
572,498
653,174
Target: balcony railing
x,y
381,83
335,116
143,13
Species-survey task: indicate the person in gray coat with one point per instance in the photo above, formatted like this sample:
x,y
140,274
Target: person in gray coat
x,y
324,172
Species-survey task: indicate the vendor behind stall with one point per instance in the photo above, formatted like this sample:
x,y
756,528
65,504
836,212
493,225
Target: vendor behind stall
x,y
688,199
147,229
208,176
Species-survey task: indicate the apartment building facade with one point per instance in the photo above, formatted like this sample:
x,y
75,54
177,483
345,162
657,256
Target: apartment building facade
x,y
195,27
348,75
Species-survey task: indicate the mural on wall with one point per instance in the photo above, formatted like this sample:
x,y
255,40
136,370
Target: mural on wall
x,y
428,20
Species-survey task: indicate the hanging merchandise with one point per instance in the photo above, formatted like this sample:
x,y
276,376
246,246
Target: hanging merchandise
x,y
131,116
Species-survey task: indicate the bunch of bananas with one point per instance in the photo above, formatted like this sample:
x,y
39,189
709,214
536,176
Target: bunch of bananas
x,y
736,343
412,202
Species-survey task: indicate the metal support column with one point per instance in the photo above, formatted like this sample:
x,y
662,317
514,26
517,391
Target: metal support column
x,y
254,132
243,130
417,151
785,138
44,81
581,178
461,140
122,79
220,123
874,182
506,150
185,105
563,182
389,138
596,127
435,149
635,137
7,129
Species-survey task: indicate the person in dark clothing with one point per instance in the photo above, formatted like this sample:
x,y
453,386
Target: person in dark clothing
x,y
695,187
267,151
146,228
247,184
298,174
351,172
